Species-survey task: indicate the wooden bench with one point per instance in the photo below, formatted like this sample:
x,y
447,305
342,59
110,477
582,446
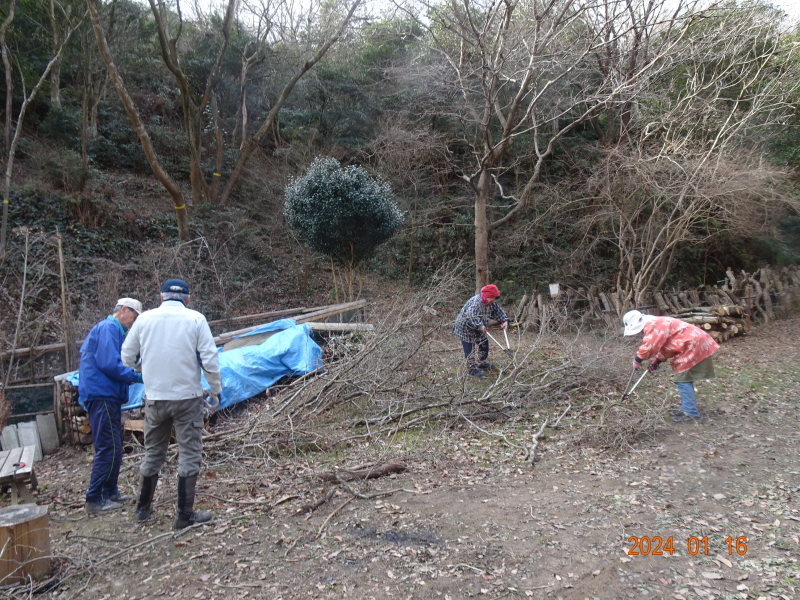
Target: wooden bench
x,y
16,469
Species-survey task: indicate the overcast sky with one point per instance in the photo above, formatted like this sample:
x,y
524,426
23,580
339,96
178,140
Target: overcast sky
x,y
791,7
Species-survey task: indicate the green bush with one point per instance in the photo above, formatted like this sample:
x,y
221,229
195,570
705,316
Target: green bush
x,y
342,212
62,125
66,172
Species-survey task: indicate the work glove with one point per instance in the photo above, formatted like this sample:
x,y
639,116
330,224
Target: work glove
x,y
637,363
653,366
210,404
504,325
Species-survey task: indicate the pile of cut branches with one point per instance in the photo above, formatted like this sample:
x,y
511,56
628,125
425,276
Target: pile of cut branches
x,y
409,374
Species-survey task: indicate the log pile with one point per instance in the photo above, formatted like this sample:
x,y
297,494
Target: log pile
x,y
766,294
72,421
722,322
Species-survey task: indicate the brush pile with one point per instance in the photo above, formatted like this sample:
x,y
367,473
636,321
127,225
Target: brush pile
x,y
722,322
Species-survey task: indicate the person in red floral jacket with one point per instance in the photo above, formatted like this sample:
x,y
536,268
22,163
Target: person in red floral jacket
x,y
689,347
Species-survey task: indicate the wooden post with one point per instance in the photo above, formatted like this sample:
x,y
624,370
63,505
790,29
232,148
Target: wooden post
x,y
24,543
65,320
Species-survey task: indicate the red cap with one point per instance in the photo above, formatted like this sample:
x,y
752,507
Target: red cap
x,y
490,291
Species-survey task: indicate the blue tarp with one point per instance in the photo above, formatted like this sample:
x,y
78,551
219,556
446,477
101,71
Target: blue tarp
x,y
250,370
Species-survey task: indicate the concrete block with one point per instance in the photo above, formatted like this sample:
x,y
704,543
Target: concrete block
x,y
48,434
29,436
9,437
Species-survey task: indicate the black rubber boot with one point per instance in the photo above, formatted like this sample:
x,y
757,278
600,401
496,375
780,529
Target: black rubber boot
x,y
186,515
144,508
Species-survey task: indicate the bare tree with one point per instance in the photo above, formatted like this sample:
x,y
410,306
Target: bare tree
x,y
70,25
288,27
252,53
526,74
193,106
138,126
690,165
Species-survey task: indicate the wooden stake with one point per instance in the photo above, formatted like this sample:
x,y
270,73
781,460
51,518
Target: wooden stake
x,y
65,320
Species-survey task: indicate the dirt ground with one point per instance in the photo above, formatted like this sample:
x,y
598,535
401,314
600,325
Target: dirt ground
x,y
470,518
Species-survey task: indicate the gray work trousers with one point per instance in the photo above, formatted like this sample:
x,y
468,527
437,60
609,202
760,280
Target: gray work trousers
x,y
159,417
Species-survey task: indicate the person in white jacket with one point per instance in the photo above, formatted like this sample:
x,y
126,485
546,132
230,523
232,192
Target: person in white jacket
x,y
173,343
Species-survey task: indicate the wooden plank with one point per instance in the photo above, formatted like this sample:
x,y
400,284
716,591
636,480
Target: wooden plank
x,y
28,385
250,340
329,311
133,425
342,326
11,457
3,459
27,458
33,350
271,313
336,309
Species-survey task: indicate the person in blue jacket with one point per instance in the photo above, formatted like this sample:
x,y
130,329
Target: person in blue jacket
x,y
103,389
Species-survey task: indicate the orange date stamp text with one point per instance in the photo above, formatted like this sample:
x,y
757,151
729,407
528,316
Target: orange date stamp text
x,y
665,546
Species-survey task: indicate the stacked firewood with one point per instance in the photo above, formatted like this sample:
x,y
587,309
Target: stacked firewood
x,y
722,322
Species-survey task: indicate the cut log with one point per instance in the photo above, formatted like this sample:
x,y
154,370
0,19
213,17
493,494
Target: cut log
x,y
661,303
24,543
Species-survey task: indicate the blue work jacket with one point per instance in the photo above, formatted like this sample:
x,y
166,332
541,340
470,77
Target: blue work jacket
x,y
102,372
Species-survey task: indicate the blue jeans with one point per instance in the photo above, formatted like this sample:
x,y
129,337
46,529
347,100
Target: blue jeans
x,y
476,354
688,402
105,417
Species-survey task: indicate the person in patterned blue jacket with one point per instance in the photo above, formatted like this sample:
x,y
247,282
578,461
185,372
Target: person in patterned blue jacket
x,y
470,326
103,389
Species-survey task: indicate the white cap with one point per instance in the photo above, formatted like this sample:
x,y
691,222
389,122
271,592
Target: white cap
x,y
130,303
633,321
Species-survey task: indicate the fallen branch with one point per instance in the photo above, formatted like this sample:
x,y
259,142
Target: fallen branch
x,y
330,516
530,454
309,508
364,472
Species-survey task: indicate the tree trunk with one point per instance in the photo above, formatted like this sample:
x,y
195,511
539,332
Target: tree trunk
x,y
482,231
219,153
85,126
55,74
9,76
198,181
55,86
147,145
240,132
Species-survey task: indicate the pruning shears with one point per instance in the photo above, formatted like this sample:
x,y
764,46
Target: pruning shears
x,y
507,349
638,381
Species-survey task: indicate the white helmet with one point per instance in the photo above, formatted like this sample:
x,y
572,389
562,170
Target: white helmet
x,y
633,321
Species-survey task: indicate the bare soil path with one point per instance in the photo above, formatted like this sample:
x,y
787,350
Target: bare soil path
x,y
472,519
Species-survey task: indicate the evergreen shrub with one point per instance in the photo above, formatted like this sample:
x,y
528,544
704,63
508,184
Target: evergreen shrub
x,y
342,212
